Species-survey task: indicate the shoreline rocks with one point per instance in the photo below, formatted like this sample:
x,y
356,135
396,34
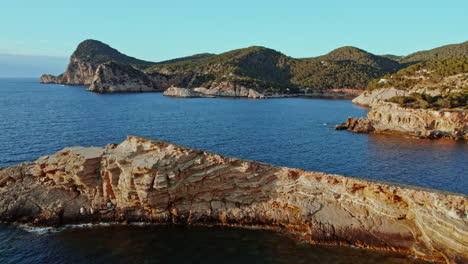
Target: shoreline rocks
x,y
209,93
153,181
386,117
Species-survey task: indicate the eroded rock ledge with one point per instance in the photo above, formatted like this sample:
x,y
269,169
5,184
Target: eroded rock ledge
x,y
154,181
230,91
421,123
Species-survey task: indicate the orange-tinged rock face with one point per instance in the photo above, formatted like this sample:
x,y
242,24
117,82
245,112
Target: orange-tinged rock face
x,y
155,181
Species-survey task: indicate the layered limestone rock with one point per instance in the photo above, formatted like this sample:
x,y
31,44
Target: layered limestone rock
x,y
155,181
183,92
229,89
369,98
222,90
79,72
112,77
422,123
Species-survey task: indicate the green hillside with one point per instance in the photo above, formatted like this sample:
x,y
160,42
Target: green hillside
x,y
264,68
271,71
96,52
444,52
346,67
430,73
188,58
258,67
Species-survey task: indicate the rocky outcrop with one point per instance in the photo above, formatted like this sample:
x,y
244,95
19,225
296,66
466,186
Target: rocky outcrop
x,y
369,98
183,92
229,89
155,181
112,77
47,78
104,70
422,123
79,72
225,89
358,125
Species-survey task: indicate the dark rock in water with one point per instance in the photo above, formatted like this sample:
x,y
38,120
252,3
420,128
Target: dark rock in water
x,y
154,181
358,125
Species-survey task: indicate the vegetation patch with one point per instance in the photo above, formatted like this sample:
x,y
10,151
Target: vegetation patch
x,y
431,73
426,101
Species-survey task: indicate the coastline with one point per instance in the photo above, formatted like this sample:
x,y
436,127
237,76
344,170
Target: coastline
x,y
314,206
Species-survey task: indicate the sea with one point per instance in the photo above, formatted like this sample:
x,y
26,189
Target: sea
x,y
41,119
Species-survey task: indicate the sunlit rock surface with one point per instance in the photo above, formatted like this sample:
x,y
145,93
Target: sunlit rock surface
x,y
422,123
224,89
154,181
112,77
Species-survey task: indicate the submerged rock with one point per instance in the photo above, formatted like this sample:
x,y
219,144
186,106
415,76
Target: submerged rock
x,y
154,181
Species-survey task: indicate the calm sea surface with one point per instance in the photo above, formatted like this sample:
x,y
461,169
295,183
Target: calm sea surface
x,y
175,244
38,119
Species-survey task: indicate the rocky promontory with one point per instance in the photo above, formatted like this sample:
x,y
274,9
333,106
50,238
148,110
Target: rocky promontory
x,y
386,117
153,181
223,90
426,100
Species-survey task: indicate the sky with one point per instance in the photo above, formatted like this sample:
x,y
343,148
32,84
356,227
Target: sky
x,y
159,30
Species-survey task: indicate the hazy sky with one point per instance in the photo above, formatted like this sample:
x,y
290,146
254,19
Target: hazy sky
x,y
158,30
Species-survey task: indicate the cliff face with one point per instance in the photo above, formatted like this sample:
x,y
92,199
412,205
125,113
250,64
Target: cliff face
x,y
79,72
422,123
224,89
104,69
403,104
154,181
112,77
369,98
391,116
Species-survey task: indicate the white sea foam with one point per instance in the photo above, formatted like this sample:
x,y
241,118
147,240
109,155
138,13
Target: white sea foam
x,y
46,230
39,230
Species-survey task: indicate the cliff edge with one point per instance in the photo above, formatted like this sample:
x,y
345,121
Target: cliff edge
x,y
148,180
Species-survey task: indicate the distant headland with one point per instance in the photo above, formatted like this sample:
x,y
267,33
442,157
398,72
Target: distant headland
x,y
253,72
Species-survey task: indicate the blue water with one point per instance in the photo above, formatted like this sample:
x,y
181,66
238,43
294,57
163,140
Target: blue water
x,y
175,244
39,119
